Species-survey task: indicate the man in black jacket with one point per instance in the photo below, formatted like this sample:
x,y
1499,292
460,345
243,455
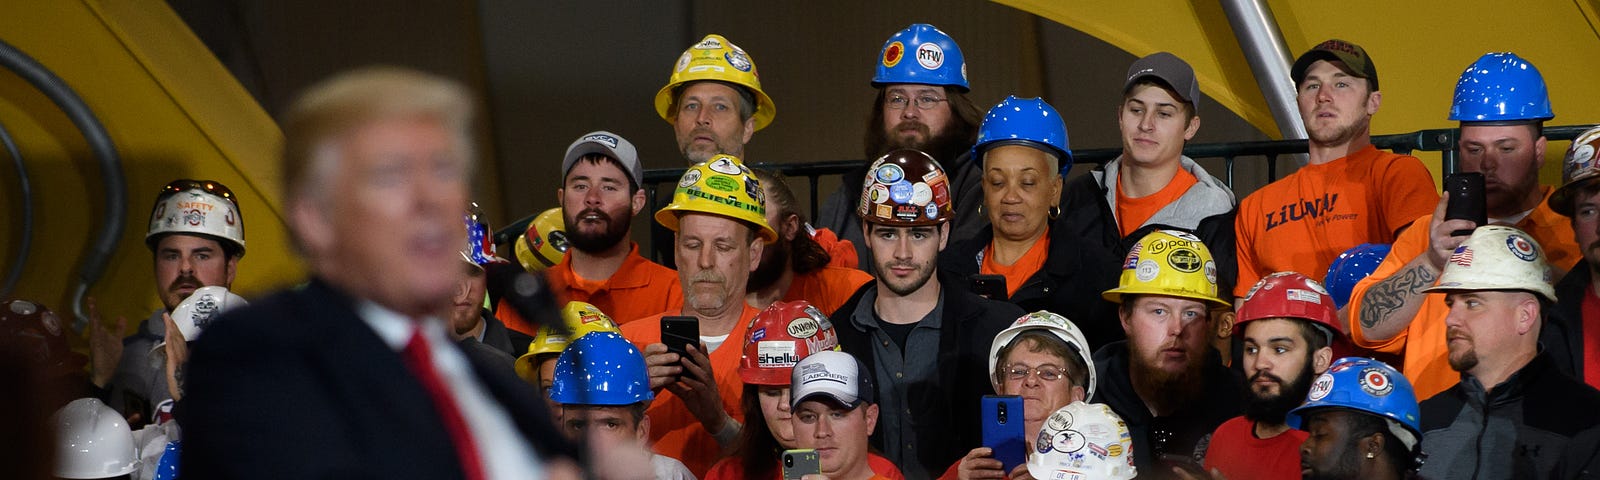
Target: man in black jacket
x,y
1513,412
355,375
1165,380
924,338
1577,299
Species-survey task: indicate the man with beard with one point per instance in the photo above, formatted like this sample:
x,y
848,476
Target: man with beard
x,y
197,237
797,266
1502,105
1288,324
473,326
1349,194
714,100
599,196
721,229
1513,411
1360,423
924,338
1577,309
1152,185
1165,380
922,105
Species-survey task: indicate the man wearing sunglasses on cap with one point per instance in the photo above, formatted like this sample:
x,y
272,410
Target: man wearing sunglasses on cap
x,y
196,234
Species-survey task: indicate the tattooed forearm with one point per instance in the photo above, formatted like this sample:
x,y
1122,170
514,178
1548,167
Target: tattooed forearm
x,y
1392,294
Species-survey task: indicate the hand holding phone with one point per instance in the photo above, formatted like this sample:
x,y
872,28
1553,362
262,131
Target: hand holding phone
x,y
680,332
989,286
1003,429
1466,199
801,462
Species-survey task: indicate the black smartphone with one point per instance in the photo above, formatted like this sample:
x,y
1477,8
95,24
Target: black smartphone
x,y
679,332
1002,429
989,286
799,463
1466,199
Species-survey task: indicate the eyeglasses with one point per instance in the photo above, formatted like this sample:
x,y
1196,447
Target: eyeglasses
x,y
208,186
924,102
1046,373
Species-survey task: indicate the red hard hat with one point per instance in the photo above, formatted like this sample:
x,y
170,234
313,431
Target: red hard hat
x,y
779,337
32,330
1290,295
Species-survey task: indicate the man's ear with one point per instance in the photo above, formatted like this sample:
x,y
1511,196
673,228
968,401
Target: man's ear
x,y
644,428
1538,153
790,226
1374,100
756,246
638,201
1527,315
1225,321
1194,127
232,268
1321,360
872,418
749,130
311,227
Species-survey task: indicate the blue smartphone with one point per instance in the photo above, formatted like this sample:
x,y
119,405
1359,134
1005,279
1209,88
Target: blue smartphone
x,y
1002,429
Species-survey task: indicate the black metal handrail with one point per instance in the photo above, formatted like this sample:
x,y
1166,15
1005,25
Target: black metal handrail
x,y
1441,140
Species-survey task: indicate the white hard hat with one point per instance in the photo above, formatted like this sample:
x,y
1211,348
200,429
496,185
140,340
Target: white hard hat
x,y
93,441
1497,258
202,207
1082,441
194,313
1060,326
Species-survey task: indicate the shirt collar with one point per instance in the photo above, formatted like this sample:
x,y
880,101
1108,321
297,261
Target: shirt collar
x,y
396,329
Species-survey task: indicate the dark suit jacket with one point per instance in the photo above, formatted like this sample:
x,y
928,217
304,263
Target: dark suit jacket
x,y
298,386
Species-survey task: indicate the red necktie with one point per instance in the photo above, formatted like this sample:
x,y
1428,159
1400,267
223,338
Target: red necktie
x,y
419,359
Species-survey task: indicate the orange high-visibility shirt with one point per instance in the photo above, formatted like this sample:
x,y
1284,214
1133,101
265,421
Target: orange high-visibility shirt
x,y
1133,212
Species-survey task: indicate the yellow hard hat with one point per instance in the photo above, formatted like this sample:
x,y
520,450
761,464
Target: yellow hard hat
x,y
716,58
543,245
719,186
581,318
1171,263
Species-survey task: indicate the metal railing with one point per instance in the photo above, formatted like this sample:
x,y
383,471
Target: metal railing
x,y
1441,140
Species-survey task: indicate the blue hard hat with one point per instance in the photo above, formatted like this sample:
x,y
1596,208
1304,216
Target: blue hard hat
x,y
1364,385
601,368
1501,87
936,59
1027,121
1353,265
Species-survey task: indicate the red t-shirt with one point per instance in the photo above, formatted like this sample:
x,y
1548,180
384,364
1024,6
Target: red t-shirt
x,y
1133,212
1239,455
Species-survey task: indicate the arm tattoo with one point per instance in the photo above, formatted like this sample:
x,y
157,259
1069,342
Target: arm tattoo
x,y
1387,296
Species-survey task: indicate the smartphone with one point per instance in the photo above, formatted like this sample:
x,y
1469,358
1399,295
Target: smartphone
x,y
799,463
989,286
1466,199
1002,429
679,332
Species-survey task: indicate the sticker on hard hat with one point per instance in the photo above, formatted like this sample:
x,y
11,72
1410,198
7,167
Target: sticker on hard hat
x,y
1320,388
1114,450
930,56
941,190
683,62
758,333
1462,256
776,354
1185,260
194,217
723,164
1067,441
1211,271
709,44
1059,420
921,194
1133,256
1582,158
900,192
1521,247
723,183
907,212
883,211
889,174
803,327
689,178
893,53
878,193
738,59
752,187
1147,271
1375,382
1307,296
822,320
931,210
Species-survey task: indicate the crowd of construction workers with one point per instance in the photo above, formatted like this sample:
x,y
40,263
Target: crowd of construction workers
x,y
1339,323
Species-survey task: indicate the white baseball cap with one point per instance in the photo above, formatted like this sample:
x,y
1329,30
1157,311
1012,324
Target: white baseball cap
x,y
837,375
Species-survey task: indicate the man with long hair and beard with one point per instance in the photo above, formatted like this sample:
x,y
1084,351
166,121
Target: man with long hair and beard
x,y
599,196
921,105
798,266
1288,324
1166,381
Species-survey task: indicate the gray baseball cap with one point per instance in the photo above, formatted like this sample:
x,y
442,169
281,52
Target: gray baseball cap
x,y
1171,70
608,144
